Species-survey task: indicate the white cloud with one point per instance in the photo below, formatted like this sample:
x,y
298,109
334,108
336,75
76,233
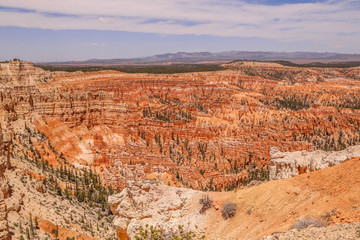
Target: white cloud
x,y
106,19
96,44
312,21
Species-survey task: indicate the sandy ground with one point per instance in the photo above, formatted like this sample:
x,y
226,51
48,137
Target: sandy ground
x,y
276,205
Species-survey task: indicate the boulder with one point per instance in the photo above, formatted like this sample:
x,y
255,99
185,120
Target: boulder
x,y
40,187
156,204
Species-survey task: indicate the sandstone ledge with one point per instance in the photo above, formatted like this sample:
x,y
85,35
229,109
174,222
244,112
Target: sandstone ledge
x,y
156,204
290,164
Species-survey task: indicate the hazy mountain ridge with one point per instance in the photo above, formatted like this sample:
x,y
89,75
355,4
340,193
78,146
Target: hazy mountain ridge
x,y
193,57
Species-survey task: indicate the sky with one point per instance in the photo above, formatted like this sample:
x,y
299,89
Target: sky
x,y
53,30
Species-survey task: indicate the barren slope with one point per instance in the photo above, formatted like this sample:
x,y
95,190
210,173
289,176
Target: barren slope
x,y
276,205
331,195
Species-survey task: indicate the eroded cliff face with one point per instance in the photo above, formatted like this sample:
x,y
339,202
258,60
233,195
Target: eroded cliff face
x,y
155,204
200,130
4,187
209,130
290,164
21,74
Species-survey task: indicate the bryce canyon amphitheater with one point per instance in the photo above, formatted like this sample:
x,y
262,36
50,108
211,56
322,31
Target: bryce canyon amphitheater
x,y
96,155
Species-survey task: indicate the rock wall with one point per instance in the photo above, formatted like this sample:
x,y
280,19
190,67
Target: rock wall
x,y
290,164
200,130
21,73
210,130
4,188
154,204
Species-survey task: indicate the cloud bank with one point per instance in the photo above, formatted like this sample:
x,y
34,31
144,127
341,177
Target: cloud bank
x,y
319,21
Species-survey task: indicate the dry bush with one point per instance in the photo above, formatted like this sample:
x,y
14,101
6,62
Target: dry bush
x,y
307,222
205,202
159,233
249,211
228,210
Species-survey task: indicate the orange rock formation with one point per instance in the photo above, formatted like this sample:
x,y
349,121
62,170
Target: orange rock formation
x,y
210,130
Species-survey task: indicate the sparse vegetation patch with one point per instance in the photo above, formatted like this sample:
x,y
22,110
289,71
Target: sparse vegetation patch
x,y
307,222
205,202
158,233
228,210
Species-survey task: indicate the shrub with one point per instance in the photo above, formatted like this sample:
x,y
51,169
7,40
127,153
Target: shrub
x,y
249,211
307,222
151,232
228,210
205,202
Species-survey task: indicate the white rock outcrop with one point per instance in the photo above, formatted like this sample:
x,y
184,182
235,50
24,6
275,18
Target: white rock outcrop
x,y
290,164
155,204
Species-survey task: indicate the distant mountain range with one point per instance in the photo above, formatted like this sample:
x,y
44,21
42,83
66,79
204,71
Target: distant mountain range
x,y
203,57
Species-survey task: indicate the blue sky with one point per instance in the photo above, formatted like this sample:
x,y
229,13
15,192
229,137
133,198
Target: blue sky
x,y
53,30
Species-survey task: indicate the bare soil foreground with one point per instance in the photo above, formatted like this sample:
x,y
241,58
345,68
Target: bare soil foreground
x,y
331,195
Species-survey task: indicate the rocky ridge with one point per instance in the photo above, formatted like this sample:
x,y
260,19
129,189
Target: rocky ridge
x,y
154,204
290,164
270,208
4,187
29,204
58,216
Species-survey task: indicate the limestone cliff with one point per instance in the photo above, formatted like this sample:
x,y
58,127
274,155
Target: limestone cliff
x,y
290,164
154,204
19,73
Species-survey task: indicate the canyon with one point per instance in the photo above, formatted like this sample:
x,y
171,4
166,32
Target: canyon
x,y
209,131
